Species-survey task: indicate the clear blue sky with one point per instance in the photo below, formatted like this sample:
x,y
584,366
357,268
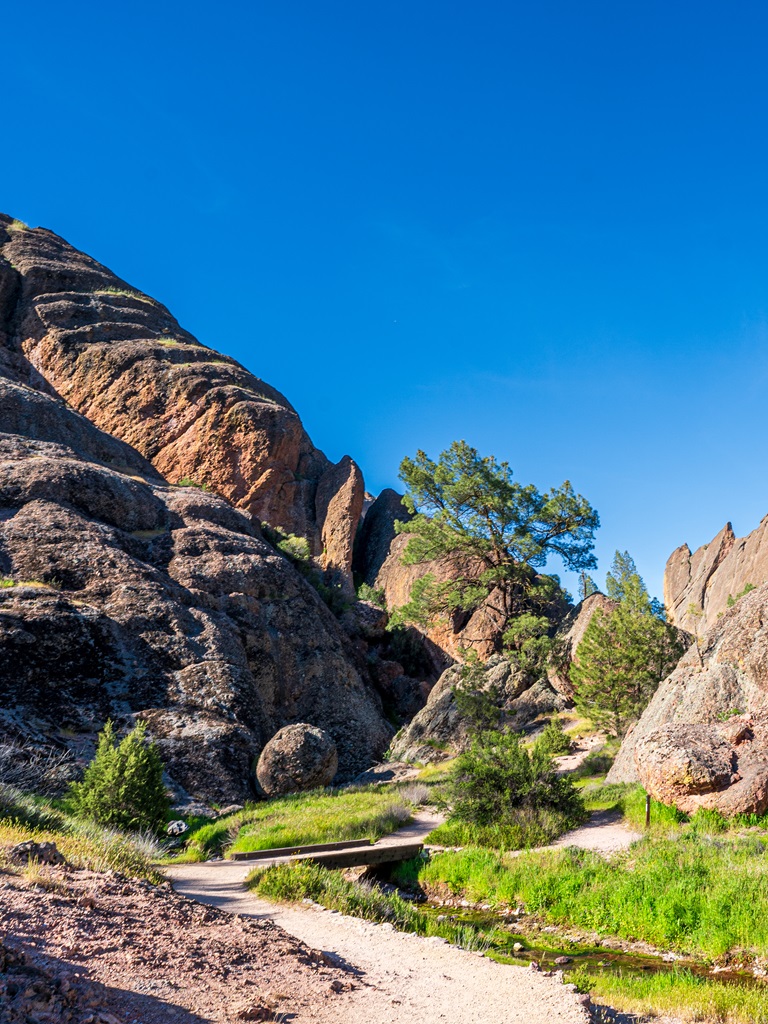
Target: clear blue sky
x,y
542,227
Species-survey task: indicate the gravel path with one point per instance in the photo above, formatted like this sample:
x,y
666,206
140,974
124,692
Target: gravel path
x,y
399,977
604,833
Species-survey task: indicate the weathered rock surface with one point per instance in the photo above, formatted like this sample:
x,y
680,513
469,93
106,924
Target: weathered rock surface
x,y
717,695
569,636
298,758
721,767
698,586
439,730
377,533
72,327
123,596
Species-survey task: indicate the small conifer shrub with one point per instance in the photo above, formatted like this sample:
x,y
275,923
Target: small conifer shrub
x,y
123,785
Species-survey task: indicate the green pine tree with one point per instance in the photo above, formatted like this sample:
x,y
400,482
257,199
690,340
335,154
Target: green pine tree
x,y
123,785
623,655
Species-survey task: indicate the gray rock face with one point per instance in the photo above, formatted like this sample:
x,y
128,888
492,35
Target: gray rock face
x,y
697,586
376,534
439,730
300,757
717,695
570,634
69,326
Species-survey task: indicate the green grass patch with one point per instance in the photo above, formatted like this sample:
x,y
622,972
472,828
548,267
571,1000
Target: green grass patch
x,y
678,993
304,880
529,827
698,894
25,817
125,293
301,819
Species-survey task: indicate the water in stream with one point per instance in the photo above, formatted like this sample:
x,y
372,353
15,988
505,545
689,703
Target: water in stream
x,y
593,960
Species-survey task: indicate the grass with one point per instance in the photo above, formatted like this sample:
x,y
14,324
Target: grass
x,y
698,894
6,582
304,880
18,225
187,481
679,993
125,293
85,845
529,828
299,820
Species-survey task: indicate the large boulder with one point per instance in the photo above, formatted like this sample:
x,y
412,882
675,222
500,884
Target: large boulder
x,y
300,757
721,767
700,587
703,739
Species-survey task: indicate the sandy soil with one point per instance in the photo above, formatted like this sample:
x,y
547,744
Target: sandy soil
x,y
603,833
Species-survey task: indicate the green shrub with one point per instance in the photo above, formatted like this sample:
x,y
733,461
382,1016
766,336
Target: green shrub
x,y
732,600
478,701
296,548
373,595
553,740
503,795
123,785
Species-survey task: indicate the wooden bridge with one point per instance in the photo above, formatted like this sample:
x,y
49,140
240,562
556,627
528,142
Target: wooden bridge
x,y
350,854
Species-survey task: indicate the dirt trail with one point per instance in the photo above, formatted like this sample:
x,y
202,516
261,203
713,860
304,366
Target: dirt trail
x,y
398,977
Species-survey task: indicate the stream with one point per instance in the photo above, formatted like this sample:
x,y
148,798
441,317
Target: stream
x,y
503,935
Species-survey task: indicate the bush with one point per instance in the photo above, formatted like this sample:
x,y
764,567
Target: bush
x,y
478,701
502,795
123,785
373,595
553,740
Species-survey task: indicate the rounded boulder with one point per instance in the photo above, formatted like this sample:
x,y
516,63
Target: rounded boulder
x,y
297,758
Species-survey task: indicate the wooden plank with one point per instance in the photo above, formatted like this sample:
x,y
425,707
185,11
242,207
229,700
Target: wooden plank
x,y
292,851
362,858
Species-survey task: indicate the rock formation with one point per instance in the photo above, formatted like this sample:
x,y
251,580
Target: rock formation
x,y
116,355
124,596
703,739
700,587
439,729
569,636
377,533
298,758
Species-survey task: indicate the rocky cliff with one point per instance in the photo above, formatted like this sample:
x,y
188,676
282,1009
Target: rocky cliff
x,y
700,587
119,357
703,739
121,595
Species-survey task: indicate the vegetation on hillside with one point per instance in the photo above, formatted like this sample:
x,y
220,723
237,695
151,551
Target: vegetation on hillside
x,y
503,795
123,785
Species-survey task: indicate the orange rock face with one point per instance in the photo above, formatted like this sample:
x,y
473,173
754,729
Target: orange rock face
x,y
698,586
120,358
125,597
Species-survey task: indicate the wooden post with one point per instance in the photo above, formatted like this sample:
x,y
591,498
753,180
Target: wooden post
x,y
647,810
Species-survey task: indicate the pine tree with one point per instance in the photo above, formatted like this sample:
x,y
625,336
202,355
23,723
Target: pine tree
x,y
623,655
123,785
496,532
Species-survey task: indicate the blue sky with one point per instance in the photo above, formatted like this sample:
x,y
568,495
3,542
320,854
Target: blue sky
x,y
538,227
